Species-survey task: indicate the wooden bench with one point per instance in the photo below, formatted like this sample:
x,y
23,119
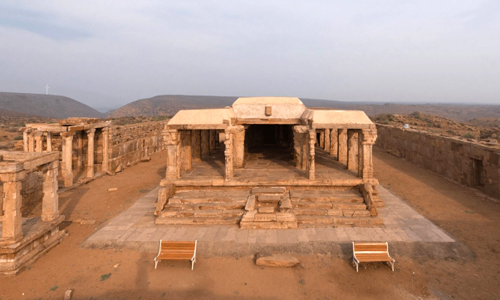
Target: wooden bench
x,y
176,251
371,252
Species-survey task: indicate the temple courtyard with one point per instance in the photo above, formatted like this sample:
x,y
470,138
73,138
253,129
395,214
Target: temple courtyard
x,y
454,253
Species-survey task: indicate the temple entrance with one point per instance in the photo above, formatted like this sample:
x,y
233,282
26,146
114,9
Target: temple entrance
x,y
268,138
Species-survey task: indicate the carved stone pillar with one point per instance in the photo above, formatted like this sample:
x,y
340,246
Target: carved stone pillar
x,y
38,141
228,153
352,150
90,152
343,146
311,164
49,141
50,202
196,145
334,143
213,138
31,142
321,142
300,146
186,155
67,158
238,134
327,139
172,142
79,150
25,140
369,138
12,219
105,149
205,142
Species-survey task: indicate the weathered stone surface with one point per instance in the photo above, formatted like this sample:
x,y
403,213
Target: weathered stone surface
x,y
277,260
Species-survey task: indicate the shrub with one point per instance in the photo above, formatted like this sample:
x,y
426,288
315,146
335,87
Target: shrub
x,y
469,135
18,137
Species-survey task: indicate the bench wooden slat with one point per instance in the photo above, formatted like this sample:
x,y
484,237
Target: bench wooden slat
x,y
371,252
176,250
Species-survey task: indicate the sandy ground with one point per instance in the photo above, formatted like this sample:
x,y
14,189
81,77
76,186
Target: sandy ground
x,y
125,274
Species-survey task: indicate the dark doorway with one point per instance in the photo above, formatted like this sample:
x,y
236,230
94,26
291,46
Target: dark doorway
x,y
276,137
477,173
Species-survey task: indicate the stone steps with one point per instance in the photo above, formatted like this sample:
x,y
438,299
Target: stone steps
x,y
204,207
197,221
350,199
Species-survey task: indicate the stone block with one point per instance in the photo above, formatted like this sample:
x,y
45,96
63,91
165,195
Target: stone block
x,y
277,260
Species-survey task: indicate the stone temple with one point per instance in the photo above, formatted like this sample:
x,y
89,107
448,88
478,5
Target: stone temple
x,y
269,162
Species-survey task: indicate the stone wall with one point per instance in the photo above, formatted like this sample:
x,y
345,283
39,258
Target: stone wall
x,y
468,163
135,142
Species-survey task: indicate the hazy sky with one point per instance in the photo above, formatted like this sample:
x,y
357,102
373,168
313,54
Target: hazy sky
x,y
109,53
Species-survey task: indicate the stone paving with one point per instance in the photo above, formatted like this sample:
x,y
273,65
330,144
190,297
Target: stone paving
x,y
136,226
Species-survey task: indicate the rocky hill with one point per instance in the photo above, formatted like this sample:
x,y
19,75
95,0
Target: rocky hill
x,y
44,105
168,105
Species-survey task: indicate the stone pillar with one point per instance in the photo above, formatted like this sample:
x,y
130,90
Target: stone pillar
x,y
205,142
90,152
343,146
238,134
311,165
49,141
105,149
321,142
228,153
369,138
79,149
300,146
31,142
196,145
213,138
50,202
334,143
67,158
12,219
327,139
172,141
186,153
25,140
38,141
352,150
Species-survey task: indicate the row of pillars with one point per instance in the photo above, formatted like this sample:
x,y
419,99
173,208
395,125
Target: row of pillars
x,y
11,202
33,142
352,147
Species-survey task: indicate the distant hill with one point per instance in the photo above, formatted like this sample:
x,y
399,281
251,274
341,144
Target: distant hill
x,y
168,105
45,105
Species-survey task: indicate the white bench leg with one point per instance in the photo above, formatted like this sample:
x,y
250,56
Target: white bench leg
x,y
192,264
156,263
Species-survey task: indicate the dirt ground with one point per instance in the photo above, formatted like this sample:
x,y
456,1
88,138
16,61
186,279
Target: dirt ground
x,y
126,274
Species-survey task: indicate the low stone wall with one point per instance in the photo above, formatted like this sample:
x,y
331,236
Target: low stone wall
x,y
465,162
129,144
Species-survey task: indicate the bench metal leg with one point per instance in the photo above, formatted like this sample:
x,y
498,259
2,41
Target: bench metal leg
x,y
392,265
156,263
356,264
192,264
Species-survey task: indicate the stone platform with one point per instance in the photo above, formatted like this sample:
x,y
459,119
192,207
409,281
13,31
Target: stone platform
x,y
135,229
38,238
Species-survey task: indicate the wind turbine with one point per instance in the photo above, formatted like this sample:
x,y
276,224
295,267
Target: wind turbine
x,y
47,89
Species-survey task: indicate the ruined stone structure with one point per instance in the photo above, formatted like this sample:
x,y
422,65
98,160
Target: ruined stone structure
x,y
132,143
24,240
83,142
468,163
89,147
269,163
